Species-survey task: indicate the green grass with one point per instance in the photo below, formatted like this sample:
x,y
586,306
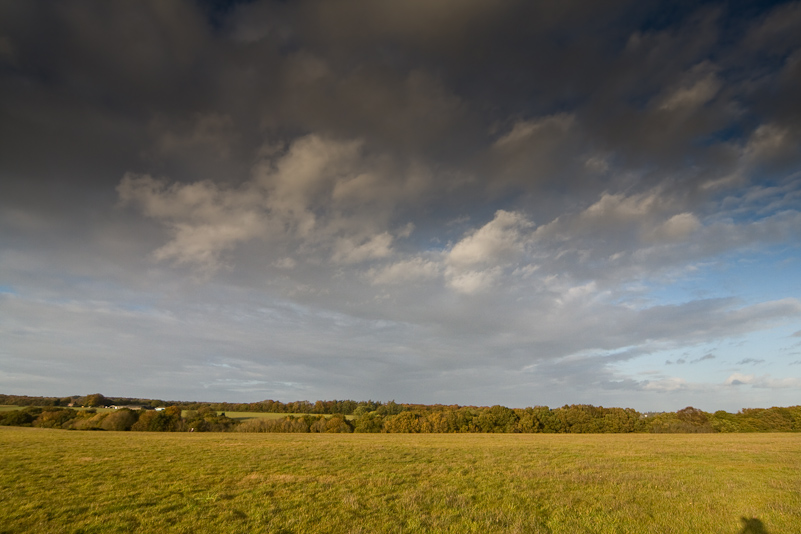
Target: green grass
x,y
62,481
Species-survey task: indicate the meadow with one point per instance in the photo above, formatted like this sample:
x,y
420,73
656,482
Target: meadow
x,y
55,481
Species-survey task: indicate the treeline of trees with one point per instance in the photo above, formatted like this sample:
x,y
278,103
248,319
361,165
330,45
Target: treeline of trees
x,y
344,407
168,420
332,407
96,400
391,417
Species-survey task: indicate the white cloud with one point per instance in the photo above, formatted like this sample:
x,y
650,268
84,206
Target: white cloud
x,y
299,182
471,282
320,196
500,240
666,384
524,132
618,207
677,228
204,219
476,262
579,292
411,270
612,212
348,252
765,382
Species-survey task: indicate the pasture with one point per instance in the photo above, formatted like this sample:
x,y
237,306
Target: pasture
x,y
82,482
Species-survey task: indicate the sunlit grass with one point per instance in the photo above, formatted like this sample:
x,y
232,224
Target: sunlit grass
x,y
62,481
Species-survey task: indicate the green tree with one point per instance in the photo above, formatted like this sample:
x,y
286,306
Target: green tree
x,y
404,422
370,422
119,420
338,424
157,421
23,417
95,400
55,417
390,408
723,421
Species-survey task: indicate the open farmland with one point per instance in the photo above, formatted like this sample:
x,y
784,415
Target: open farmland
x,y
61,481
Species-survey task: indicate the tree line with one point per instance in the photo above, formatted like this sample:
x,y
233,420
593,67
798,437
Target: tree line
x,y
378,417
344,407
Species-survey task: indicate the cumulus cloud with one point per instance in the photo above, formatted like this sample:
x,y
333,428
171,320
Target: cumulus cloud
x,y
677,228
346,251
321,194
637,216
500,240
411,270
476,261
203,219
470,282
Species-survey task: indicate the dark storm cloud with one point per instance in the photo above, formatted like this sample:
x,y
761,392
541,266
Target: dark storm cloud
x,y
432,80
500,182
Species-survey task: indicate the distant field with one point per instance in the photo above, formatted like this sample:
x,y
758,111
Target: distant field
x,y
266,415
66,481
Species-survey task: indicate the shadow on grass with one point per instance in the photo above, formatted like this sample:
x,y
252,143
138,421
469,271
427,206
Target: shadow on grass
x,y
752,526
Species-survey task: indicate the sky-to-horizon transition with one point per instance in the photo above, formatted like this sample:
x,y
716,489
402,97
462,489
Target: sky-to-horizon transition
x,y
472,202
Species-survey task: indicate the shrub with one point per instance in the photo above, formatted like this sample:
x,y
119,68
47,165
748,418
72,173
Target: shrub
x,y
120,420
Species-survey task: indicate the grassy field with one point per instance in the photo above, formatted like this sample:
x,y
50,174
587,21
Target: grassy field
x,y
69,481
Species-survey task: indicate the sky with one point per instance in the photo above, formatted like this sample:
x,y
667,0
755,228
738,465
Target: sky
x,y
454,201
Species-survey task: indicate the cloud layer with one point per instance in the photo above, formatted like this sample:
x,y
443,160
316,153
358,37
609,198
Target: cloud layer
x,y
471,202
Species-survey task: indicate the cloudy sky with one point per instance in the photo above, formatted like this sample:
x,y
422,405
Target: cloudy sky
x,y
451,201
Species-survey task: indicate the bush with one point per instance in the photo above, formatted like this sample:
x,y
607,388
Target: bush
x,y
285,424
55,418
18,418
369,423
153,421
120,420
404,422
